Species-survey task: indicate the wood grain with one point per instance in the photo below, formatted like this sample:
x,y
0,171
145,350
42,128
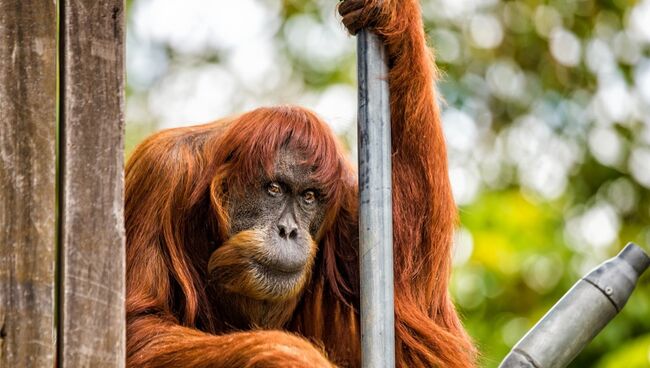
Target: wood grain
x,y
27,182
92,319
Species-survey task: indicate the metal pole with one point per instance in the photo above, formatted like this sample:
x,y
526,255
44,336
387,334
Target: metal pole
x,y
375,208
581,313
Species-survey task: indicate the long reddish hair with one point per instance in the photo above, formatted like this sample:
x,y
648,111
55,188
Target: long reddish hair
x,y
175,185
195,164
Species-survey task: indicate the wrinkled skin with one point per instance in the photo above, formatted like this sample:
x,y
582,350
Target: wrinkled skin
x,y
281,201
279,216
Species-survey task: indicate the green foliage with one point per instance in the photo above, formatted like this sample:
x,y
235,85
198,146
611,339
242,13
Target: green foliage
x,y
520,267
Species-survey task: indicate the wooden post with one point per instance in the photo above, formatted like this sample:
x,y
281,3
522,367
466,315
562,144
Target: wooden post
x,y
376,206
91,329
27,182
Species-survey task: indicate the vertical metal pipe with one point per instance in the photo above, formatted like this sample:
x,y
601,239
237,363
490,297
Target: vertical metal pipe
x,y
581,313
375,208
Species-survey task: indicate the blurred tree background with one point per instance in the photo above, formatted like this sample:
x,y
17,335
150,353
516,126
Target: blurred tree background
x,y
546,112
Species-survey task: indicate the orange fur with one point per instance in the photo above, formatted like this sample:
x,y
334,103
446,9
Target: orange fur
x,y
175,220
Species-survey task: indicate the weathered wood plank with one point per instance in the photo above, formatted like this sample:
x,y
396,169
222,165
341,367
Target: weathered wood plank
x,y
27,182
92,320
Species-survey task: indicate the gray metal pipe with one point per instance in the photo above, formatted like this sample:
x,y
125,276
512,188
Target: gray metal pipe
x,y
375,207
581,313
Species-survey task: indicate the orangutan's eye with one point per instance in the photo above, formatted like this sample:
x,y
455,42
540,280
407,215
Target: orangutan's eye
x,y
309,197
274,189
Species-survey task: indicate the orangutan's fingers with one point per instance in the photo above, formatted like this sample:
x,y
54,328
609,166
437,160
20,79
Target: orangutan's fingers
x,y
353,21
348,6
